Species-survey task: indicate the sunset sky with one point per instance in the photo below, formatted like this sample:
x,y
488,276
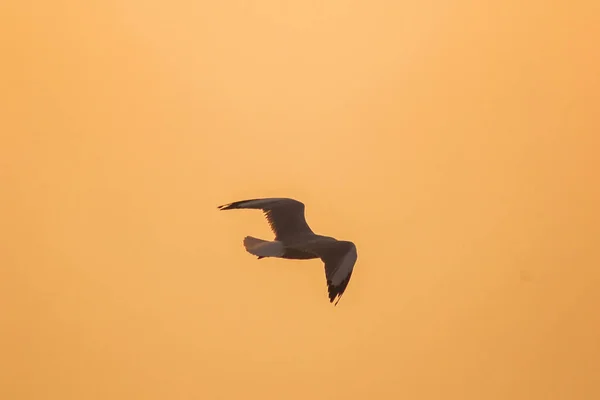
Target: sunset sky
x,y
456,143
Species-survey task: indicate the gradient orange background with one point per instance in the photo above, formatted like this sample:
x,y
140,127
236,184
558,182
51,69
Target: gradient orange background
x,y
456,143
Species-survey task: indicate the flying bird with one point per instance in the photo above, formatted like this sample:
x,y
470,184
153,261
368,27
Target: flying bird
x,y
295,240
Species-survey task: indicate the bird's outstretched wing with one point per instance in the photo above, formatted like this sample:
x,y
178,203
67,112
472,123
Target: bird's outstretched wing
x,y
285,216
339,257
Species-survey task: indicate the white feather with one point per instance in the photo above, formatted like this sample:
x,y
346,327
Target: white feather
x,y
263,248
346,266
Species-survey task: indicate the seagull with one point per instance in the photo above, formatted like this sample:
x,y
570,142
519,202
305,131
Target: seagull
x,y
295,240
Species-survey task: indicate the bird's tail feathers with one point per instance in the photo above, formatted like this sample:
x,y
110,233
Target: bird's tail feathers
x,y
263,248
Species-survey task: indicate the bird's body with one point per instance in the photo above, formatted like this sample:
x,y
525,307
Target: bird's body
x,y
295,240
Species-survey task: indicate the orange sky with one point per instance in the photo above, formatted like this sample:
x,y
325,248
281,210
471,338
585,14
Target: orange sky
x,y
456,143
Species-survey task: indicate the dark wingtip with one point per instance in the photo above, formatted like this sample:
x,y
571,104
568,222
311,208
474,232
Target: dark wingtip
x,y
231,206
337,291
333,298
333,293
